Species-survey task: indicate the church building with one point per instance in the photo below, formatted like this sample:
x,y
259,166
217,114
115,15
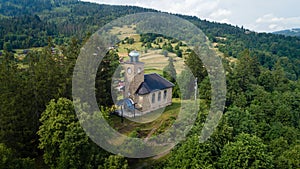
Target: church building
x,y
147,92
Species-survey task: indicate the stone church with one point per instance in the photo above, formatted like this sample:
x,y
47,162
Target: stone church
x,y
146,92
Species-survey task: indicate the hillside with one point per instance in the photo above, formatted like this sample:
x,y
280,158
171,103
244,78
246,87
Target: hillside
x,y
22,29
290,32
39,44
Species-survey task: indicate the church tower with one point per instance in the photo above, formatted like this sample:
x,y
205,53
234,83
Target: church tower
x,y
134,75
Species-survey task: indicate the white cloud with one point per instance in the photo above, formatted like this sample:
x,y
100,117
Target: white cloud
x,y
274,23
273,26
200,8
204,9
269,18
256,15
220,13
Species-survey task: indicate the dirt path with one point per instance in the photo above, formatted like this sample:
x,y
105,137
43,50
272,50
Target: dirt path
x,y
152,131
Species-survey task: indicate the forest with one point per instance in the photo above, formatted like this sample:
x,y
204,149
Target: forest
x,y
260,126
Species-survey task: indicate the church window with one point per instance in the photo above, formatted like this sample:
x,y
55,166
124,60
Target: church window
x,y
165,94
159,96
153,98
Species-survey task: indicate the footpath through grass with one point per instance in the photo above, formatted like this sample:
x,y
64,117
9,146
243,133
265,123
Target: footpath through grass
x,y
142,130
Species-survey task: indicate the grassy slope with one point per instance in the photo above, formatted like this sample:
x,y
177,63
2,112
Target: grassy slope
x,y
159,124
154,60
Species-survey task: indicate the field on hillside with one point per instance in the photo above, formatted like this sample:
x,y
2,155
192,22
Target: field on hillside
x,y
153,57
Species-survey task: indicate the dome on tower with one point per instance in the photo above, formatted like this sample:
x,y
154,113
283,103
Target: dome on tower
x,y
134,53
134,56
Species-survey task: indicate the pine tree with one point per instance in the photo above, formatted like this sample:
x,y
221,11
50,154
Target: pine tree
x,y
104,76
169,71
194,63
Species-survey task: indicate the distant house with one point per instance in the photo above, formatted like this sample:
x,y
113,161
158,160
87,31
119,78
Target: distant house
x,y
147,92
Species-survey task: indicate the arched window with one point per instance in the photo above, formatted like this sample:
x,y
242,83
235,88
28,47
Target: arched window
x,y
165,94
159,97
153,98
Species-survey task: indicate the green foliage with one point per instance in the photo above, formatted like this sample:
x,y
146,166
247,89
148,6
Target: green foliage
x,y
105,72
64,142
169,71
7,47
128,40
246,152
241,121
194,63
18,120
191,154
290,158
278,146
205,89
57,116
149,37
186,84
179,53
263,98
168,47
115,162
8,160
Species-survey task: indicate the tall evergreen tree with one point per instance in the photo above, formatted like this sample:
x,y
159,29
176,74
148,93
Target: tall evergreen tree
x,y
104,76
17,121
169,71
194,63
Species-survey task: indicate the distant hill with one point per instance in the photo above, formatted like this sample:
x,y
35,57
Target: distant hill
x,y
289,32
29,23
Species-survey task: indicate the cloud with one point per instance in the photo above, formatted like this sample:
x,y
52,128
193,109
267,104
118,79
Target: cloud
x,y
269,18
200,8
204,9
254,15
220,13
274,23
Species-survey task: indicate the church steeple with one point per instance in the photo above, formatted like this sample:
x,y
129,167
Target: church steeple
x,y
134,74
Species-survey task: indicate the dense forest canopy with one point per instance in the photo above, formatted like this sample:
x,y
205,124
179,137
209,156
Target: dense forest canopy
x,y
28,24
260,127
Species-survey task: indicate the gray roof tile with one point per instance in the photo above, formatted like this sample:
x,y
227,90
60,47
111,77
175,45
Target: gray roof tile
x,y
153,82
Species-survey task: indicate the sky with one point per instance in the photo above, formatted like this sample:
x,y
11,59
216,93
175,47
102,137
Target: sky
x,y
256,15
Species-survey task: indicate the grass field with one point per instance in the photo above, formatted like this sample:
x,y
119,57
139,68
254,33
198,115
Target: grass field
x,y
142,130
123,32
154,60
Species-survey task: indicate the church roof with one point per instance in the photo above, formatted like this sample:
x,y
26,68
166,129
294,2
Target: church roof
x,y
153,82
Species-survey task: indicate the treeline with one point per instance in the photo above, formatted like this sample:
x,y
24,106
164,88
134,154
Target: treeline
x,y
23,26
260,127
30,7
23,32
27,87
63,19
269,48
